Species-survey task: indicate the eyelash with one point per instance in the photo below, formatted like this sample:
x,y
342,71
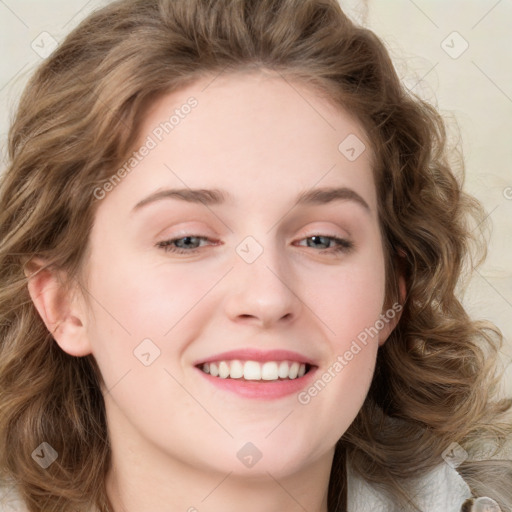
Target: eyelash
x,y
343,246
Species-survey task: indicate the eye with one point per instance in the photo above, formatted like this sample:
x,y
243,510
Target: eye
x,y
183,245
190,244
340,244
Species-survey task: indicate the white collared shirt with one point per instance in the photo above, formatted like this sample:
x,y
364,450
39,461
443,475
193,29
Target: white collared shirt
x,y
441,490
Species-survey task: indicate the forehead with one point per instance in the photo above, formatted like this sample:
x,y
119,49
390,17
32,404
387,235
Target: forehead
x,y
247,103
254,128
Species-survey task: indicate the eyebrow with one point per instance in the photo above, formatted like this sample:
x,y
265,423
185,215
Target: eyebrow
x,y
216,197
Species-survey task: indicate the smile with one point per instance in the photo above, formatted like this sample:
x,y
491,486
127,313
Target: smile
x,y
256,371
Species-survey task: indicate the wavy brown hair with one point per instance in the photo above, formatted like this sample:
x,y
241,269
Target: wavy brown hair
x,y
78,120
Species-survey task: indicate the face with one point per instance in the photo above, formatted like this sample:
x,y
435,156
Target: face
x,y
277,260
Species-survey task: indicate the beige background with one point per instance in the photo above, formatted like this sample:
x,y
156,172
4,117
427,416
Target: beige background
x,y
454,53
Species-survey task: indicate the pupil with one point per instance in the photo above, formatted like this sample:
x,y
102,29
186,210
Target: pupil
x,y
317,238
186,240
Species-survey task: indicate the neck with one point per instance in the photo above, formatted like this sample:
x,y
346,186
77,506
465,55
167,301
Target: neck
x,y
157,484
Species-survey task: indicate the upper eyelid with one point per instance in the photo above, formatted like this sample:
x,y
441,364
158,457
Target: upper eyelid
x,y
213,238
217,242
201,233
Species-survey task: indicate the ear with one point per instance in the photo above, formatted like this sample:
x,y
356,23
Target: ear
x,y
62,312
391,316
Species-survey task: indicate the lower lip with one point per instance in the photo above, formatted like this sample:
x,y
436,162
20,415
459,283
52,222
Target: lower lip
x,y
262,389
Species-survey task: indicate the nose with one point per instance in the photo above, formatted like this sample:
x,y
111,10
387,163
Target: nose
x,y
263,293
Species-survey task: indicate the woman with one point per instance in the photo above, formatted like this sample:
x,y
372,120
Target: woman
x,y
230,244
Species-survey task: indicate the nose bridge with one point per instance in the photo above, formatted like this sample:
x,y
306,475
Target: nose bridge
x,y
262,283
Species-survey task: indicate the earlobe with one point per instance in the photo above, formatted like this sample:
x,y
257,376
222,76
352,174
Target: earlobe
x,y
61,313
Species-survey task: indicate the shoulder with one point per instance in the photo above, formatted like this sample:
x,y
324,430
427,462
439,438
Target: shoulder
x,y
10,501
441,490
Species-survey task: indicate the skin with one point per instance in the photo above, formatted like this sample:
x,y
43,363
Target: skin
x,y
174,436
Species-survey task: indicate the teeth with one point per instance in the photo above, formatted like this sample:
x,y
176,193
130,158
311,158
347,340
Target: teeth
x,y
294,370
223,370
269,371
283,370
253,370
237,370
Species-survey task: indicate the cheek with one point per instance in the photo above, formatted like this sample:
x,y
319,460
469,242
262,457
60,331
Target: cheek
x,y
139,293
349,299
132,302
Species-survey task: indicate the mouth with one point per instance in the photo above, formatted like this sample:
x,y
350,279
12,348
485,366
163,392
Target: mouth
x,y
258,374
248,370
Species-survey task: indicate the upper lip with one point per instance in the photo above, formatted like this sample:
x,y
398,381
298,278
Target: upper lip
x,y
251,354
